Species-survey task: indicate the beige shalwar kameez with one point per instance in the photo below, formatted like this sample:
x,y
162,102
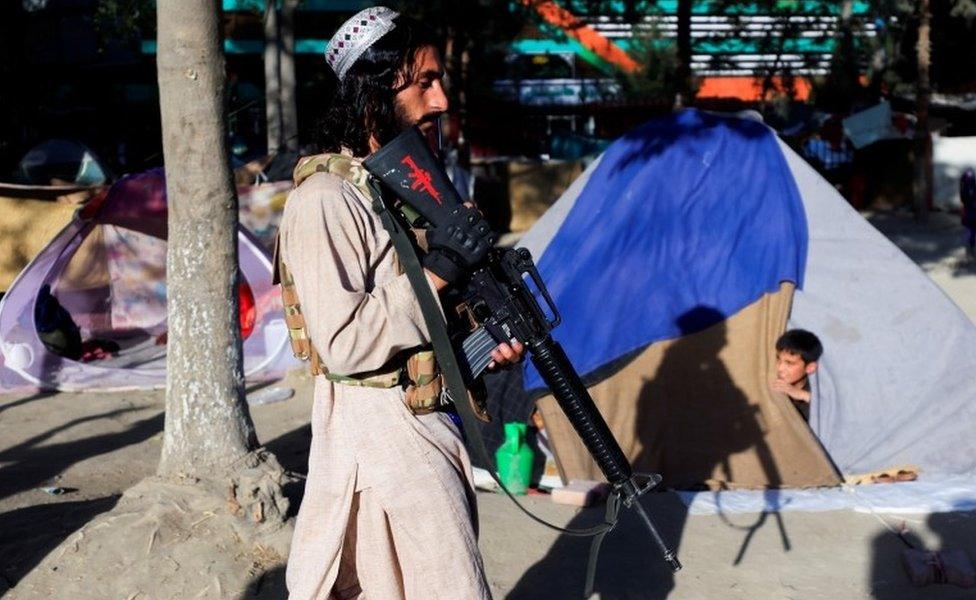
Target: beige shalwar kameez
x,y
389,508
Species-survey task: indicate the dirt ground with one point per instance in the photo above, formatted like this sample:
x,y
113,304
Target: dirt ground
x,y
92,447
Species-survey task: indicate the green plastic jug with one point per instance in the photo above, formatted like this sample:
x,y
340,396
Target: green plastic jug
x,y
514,459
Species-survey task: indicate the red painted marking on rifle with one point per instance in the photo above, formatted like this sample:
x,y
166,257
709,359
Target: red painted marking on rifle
x,y
420,178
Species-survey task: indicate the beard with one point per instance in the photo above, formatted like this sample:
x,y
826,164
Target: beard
x,y
428,124
400,118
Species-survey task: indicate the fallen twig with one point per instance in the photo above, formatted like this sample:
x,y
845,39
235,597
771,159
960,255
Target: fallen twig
x,y
152,539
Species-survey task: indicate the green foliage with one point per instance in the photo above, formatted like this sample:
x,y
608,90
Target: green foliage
x,y
124,20
481,29
964,8
893,63
658,81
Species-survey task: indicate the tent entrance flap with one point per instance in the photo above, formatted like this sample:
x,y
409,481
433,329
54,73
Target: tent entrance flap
x,y
699,410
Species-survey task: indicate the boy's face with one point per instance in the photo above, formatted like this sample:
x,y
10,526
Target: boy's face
x,y
791,368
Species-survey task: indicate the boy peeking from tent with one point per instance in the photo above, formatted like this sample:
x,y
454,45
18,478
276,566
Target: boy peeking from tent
x,y
797,353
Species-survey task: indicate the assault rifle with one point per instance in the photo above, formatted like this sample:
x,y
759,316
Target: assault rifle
x,y
505,309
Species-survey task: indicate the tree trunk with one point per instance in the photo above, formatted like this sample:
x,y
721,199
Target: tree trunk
x,y
272,77
683,72
215,512
847,49
287,87
208,426
923,137
281,107
846,12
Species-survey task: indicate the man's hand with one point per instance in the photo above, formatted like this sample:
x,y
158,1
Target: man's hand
x,y
794,392
506,355
458,244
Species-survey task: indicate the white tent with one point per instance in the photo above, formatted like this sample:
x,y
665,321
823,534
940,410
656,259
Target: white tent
x,y
89,312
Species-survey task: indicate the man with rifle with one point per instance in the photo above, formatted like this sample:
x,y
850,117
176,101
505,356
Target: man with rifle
x,y
388,510
373,242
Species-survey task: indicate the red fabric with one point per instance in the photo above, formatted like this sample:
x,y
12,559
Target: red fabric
x,y
248,311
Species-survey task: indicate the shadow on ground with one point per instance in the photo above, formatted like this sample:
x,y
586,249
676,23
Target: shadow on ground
x,y
948,531
28,534
270,585
26,400
629,564
31,464
291,449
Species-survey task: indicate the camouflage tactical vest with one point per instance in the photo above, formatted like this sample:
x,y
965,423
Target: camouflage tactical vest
x,y
418,373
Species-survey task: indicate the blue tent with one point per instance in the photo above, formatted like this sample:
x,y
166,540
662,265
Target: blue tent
x,y
679,257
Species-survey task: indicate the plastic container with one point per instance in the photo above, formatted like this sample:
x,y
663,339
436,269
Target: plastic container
x,y
514,459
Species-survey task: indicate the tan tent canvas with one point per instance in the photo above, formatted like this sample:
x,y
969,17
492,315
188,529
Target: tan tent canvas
x,y
26,227
698,410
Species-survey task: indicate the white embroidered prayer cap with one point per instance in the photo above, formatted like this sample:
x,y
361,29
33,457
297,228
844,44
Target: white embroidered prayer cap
x,y
356,36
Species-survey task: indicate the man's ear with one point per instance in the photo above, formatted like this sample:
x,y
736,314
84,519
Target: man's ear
x,y
373,143
811,367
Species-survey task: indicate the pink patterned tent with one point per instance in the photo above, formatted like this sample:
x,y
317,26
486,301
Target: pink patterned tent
x,y
89,312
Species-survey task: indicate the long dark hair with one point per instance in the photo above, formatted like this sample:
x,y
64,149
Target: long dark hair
x,y
363,101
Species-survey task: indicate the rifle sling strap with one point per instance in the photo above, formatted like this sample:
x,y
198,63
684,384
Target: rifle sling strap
x,y
444,351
